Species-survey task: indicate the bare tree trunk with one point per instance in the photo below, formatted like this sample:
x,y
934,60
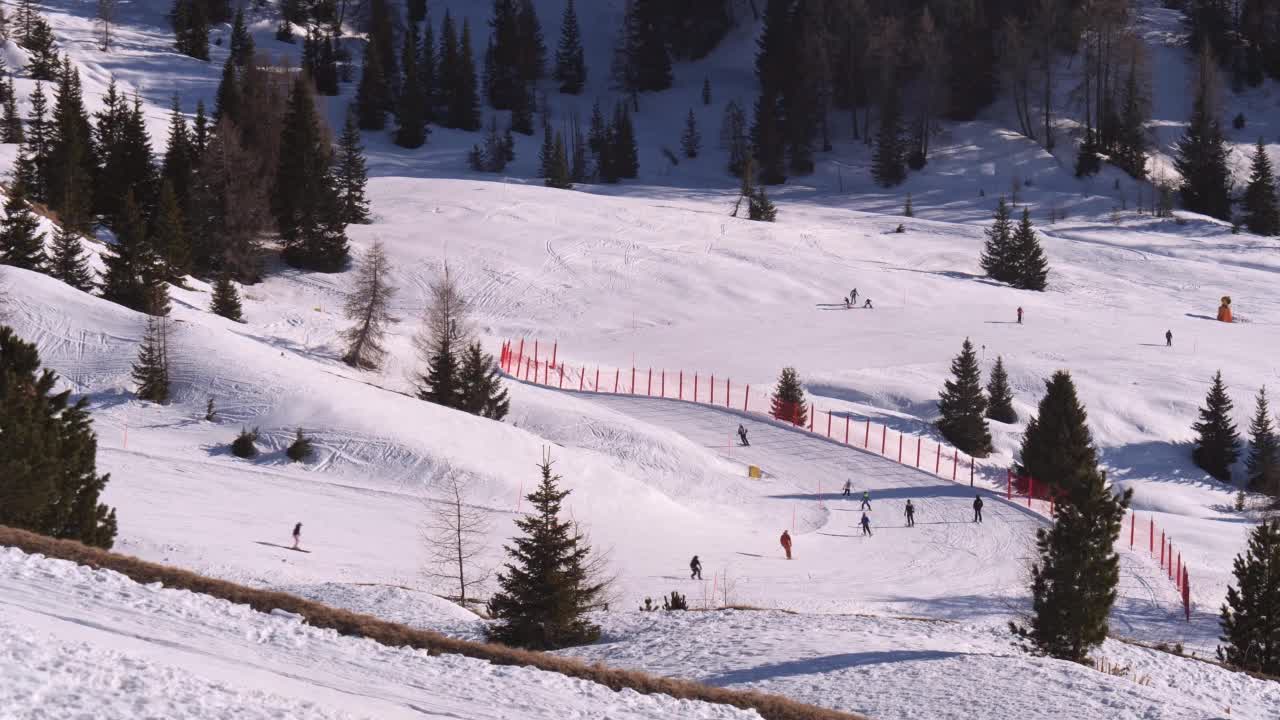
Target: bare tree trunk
x,y
369,306
455,534
106,16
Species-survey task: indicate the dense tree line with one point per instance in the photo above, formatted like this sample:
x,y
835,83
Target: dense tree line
x,y
1244,35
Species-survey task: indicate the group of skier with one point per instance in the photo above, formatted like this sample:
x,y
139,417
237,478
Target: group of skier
x,y
852,300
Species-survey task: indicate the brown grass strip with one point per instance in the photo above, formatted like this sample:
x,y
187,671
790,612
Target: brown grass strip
x,y
770,707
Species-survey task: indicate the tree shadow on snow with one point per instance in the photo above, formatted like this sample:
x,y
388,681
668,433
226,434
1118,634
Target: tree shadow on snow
x,y
824,664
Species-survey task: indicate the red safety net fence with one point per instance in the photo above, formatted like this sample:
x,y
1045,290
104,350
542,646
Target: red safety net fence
x,y
1042,497
531,362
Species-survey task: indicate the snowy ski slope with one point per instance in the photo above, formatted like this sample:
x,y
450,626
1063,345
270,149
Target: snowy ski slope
x,y
656,273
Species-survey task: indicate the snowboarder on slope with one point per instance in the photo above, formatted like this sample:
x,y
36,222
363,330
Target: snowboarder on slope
x,y
1019,316
867,305
911,514
786,543
866,500
866,524
742,435
1168,338
695,566
848,486
297,535
977,508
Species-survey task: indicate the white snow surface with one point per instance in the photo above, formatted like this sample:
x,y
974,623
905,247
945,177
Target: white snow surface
x,y
655,274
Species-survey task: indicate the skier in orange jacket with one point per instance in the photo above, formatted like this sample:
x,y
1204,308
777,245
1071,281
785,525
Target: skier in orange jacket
x,y
786,543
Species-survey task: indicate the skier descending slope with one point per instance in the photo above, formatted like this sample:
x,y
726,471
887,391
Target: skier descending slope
x,y
786,543
742,435
866,524
977,508
297,535
911,514
866,500
695,565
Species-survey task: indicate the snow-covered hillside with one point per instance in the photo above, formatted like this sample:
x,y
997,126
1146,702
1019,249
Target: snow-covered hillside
x,y
655,273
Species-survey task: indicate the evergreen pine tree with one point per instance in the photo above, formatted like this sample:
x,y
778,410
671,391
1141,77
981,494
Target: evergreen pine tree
x,y
190,22
481,385
769,148
598,144
351,175
532,49
31,172
1262,466
1250,623
428,71
371,94
1073,582
1202,154
964,407
135,273
761,208
706,91
1217,444
907,209
998,252
21,242
691,139
788,403
623,151
67,261
241,41
559,171
178,165
169,236
10,121
246,444
546,590
42,54
226,299
447,69
546,154
1029,264
504,84
1057,447
226,104
411,109
417,10
888,164
48,480
647,47
199,134
1000,396
464,107
522,112
1261,207
571,64
1088,161
300,449
71,164
151,371
306,203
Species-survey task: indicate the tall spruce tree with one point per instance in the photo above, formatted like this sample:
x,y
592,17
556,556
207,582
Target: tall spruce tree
x,y
21,242
226,299
559,171
169,236
647,51
411,108
71,154
546,590
190,20
1262,466
227,101
504,83
241,41
11,130
372,95
351,175
32,170
999,395
42,54
481,385
1074,580
1031,269
306,203
179,164
788,402
135,273
1057,447
1261,206
533,48
48,479
691,139
67,260
889,162
964,407
1250,621
623,150
998,257
151,371
571,63
1217,445
1201,157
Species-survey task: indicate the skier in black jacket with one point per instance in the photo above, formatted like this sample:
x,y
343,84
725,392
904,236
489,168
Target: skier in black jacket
x,y
977,508
911,514
695,566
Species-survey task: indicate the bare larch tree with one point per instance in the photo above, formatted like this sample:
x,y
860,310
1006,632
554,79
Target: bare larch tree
x,y
368,306
455,534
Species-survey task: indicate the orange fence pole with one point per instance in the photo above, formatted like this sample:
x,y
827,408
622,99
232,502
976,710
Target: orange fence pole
x,y
681,391
664,383
746,399
866,438
617,377
649,389
899,448
713,390
554,348
884,437
919,442
828,423
846,429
